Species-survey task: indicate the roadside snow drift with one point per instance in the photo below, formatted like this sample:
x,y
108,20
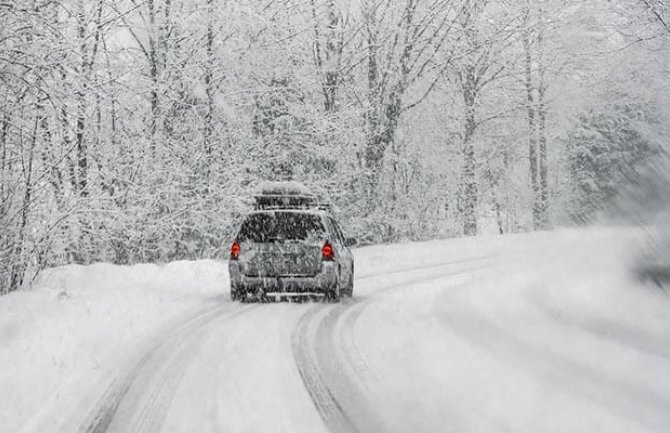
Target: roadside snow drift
x,y
79,325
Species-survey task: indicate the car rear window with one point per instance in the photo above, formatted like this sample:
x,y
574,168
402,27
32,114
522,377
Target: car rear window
x,y
279,226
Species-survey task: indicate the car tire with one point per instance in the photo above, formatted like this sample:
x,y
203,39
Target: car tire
x,y
350,285
235,294
334,294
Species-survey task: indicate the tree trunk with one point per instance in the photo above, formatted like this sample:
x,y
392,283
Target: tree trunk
x,y
468,202
209,127
19,265
532,127
334,44
497,205
66,134
3,163
153,73
82,151
543,187
372,156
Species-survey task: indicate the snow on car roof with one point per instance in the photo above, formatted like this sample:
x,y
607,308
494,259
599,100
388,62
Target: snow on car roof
x,y
284,188
288,195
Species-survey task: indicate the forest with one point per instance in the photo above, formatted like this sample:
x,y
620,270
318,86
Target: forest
x,y
136,131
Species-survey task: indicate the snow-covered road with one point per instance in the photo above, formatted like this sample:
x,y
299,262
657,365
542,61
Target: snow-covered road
x,y
542,332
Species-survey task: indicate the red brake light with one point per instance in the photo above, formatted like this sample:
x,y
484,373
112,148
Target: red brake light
x,y
234,251
327,252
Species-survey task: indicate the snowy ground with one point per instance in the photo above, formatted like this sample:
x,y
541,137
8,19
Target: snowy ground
x,y
544,332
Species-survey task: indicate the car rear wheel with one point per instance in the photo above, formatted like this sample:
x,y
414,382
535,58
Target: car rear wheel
x,y
350,283
236,294
334,294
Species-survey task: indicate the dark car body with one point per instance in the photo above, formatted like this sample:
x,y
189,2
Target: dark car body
x,y
290,248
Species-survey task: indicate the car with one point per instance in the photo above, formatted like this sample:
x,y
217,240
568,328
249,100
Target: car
x,y
290,246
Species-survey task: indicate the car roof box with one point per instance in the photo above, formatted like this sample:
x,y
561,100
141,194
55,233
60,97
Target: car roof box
x,y
285,195
284,189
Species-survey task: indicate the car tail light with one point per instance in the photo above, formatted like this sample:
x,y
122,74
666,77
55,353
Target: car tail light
x,y
327,253
234,251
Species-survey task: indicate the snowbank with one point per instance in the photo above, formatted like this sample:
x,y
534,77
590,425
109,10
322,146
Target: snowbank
x,y
77,324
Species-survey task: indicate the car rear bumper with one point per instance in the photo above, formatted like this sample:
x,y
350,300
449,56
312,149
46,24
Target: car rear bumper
x,y
321,283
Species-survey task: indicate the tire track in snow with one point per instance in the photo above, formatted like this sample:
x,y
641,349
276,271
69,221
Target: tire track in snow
x,y
326,402
338,396
425,268
617,394
605,328
160,375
